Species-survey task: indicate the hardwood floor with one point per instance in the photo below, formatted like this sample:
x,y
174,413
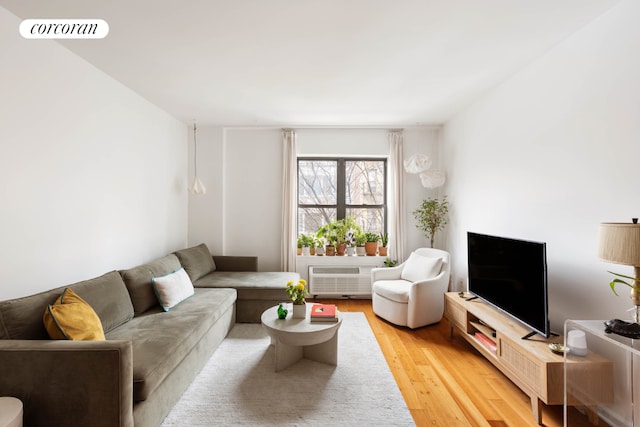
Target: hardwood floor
x,y
445,381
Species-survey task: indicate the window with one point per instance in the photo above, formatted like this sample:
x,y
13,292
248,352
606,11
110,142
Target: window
x,y
333,188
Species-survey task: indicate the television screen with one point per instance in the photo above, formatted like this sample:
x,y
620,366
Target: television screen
x,y
511,275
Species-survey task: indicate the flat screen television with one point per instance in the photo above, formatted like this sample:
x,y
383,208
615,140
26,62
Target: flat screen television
x,y
511,275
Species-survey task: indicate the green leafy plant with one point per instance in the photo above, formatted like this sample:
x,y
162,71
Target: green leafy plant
x,y
635,285
336,232
371,237
360,239
326,232
384,239
297,291
306,240
390,262
432,217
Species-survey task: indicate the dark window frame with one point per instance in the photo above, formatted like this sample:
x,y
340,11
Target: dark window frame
x,y
341,186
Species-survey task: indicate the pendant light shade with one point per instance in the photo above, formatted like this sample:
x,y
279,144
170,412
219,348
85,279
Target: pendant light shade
x,y
196,187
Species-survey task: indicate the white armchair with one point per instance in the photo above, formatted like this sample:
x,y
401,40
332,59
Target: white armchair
x,y
412,293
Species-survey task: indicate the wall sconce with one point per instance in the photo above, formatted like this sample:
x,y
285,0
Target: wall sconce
x,y
197,187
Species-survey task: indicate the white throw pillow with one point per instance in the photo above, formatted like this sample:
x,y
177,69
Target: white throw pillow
x,y
172,288
419,268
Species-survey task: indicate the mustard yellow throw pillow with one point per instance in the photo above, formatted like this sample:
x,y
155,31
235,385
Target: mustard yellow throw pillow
x,y
72,318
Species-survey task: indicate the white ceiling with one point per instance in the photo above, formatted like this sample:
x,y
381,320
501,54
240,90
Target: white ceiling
x,y
316,62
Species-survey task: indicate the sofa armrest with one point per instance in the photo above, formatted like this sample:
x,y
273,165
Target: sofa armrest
x,y
235,263
80,383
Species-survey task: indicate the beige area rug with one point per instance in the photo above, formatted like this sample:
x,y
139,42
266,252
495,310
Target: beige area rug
x,y
238,386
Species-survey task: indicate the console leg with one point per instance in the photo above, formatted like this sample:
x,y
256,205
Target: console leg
x,y
536,408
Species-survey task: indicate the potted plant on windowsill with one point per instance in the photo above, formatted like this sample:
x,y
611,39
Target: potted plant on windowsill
x,y
307,242
360,240
384,241
299,243
371,244
327,233
320,242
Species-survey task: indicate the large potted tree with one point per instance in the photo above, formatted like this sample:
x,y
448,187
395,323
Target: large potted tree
x,y
432,217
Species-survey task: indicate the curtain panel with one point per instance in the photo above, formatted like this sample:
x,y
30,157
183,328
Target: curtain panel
x,y
396,195
289,200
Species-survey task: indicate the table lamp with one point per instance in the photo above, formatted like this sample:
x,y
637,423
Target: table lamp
x,y
619,243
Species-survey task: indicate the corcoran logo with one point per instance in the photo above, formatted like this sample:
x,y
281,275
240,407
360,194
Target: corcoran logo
x,y
64,29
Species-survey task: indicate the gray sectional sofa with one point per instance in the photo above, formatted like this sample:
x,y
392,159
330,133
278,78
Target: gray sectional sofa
x,y
149,357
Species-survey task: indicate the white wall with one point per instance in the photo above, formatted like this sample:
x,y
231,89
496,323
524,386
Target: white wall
x,y
550,154
92,176
242,169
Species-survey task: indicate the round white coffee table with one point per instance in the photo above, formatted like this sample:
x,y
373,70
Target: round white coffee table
x,y
10,412
298,338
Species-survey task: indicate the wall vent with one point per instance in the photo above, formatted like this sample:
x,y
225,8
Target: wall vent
x,y
338,280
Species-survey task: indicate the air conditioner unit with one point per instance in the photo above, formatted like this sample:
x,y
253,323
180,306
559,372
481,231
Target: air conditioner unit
x,y
340,280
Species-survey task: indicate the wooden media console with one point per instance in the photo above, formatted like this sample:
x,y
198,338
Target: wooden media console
x,y
528,363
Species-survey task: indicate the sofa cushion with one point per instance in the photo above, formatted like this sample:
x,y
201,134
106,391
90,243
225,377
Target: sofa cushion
x,y
109,298
172,288
418,268
161,340
21,318
197,261
71,318
138,281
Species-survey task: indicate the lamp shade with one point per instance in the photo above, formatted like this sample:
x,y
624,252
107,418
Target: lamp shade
x,y
619,243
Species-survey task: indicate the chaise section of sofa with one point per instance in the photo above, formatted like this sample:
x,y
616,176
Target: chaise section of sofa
x,y
257,291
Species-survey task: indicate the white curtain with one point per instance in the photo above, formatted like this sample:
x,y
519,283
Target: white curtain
x,y
289,200
396,196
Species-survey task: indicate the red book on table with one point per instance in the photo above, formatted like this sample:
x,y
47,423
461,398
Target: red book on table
x,y
325,312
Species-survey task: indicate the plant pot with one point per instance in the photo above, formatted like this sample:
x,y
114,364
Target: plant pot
x,y
371,248
351,251
320,250
330,250
341,249
306,251
382,250
360,251
299,251
312,251
299,311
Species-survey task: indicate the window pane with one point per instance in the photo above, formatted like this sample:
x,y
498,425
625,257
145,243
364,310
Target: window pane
x,y
365,182
371,220
310,219
317,182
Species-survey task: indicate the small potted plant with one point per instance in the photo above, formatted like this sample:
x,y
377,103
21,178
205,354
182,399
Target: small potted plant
x,y
384,241
360,239
320,241
327,233
306,242
297,292
371,244
300,245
